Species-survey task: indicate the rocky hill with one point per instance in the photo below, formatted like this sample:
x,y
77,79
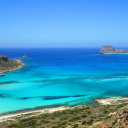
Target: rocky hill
x,y
117,119
81,116
3,58
112,50
9,65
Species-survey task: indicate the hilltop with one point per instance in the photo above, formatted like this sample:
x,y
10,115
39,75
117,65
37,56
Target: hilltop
x,y
3,59
9,65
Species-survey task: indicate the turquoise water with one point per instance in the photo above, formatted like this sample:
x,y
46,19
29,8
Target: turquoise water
x,y
55,77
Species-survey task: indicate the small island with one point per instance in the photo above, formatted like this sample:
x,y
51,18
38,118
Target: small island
x,y
112,50
9,65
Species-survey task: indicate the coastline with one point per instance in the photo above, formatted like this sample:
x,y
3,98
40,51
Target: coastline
x,y
20,66
31,113
112,100
114,53
38,111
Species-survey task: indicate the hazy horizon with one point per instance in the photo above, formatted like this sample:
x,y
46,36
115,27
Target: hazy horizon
x,y
55,47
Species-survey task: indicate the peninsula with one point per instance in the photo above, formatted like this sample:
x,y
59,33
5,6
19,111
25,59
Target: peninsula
x,y
9,65
112,50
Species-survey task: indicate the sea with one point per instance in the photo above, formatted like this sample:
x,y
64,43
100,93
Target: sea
x,y
61,76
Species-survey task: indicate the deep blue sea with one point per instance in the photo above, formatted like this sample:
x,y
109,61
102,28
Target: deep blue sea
x,y
59,76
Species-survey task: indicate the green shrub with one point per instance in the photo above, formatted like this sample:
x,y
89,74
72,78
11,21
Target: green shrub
x,y
12,125
53,118
108,106
115,121
24,120
83,122
105,112
45,115
54,127
64,112
70,112
75,119
88,112
64,118
89,122
57,114
76,126
84,115
32,122
119,106
84,108
45,121
63,123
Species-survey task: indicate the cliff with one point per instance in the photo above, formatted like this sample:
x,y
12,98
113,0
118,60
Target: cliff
x,y
112,50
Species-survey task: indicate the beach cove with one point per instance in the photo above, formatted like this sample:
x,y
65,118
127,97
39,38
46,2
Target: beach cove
x,y
30,113
57,77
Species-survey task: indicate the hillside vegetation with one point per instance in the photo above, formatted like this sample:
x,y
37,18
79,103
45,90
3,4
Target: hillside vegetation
x,y
90,116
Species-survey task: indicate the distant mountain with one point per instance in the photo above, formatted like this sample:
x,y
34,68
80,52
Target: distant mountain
x,y
112,50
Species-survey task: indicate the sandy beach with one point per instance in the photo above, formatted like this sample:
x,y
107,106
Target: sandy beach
x,y
31,113
113,100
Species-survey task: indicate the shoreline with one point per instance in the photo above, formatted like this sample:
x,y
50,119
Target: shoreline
x,y
31,113
112,100
113,53
17,68
40,110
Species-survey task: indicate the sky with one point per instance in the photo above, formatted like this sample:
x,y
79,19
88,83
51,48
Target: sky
x,y
63,23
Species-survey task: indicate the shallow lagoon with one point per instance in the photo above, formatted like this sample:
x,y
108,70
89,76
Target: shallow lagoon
x,y
62,76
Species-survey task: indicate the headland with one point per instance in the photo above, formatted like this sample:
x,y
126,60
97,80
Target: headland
x,y
7,65
112,50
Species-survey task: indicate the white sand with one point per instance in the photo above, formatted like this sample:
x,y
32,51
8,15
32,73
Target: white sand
x,y
27,114
114,100
30,113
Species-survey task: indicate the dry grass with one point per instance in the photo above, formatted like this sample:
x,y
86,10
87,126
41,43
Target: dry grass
x,y
73,118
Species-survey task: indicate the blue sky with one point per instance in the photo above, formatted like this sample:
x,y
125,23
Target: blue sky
x,y
63,23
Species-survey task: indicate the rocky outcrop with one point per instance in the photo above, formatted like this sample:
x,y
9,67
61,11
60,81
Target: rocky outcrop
x,y
9,65
112,50
3,58
118,119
